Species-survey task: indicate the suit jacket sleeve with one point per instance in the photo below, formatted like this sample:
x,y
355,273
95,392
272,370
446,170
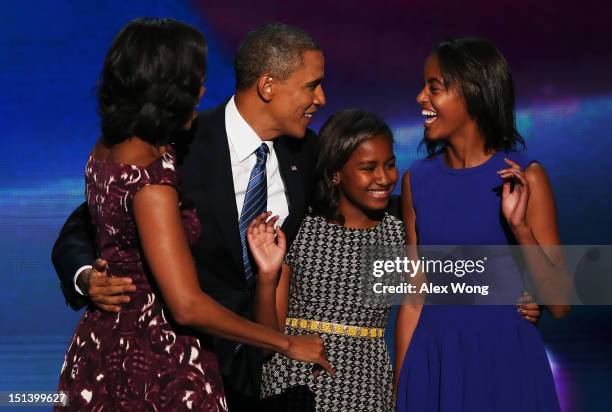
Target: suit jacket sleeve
x,y
73,249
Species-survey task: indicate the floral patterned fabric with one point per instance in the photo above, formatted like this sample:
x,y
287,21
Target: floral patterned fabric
x,y
137,359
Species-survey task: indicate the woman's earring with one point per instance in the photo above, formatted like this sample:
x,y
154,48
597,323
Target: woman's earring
x,y
335,180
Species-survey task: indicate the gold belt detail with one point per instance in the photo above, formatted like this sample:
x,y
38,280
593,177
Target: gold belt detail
x,y
335,328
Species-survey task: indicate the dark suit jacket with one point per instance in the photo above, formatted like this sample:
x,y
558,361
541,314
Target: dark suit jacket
x,y
207,179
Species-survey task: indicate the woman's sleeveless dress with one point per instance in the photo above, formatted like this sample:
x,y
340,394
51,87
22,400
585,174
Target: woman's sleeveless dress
x,y
327,286
471,358
137,359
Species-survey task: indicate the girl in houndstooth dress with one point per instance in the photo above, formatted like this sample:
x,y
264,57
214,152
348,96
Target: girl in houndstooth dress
x,y
317,288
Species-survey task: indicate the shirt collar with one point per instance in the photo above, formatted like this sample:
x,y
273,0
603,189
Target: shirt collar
x,y
240,134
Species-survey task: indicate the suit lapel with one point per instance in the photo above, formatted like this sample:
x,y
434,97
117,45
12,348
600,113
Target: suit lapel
x,y
217,180
292,178
217,177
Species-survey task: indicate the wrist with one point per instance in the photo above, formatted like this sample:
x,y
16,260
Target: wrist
x,y
265,290
267,277
285,345
82,281
522,233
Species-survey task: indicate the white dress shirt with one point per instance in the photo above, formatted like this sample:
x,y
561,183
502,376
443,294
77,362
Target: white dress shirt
x,y
243,141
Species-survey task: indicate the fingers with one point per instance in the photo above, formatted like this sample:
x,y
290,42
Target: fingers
x,y
506,189
310,348
104,299
520,176
109,298
324,363
531,319
511,173
100,265
269,226
321,365
521,186
512,163
98,280
255,224
261,219
261,224
113,299
107,292
525,298
528,308
108,308
531,313
112,290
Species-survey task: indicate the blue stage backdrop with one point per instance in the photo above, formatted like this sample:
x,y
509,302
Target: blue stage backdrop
x,y
51,54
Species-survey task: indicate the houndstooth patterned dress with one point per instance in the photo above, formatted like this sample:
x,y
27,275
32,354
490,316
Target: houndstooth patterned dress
x,y
325,285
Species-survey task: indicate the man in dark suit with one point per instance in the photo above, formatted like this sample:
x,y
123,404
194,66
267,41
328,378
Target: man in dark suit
x,y
279,70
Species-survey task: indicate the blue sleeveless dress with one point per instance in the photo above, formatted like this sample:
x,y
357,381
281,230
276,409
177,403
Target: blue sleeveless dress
x,y
470,358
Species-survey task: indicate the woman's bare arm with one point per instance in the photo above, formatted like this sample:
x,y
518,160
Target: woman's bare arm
x,y
272,300
534,224
409,312
156,209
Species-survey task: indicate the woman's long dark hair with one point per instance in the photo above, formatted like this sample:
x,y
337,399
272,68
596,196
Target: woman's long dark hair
x,y
481,75
338,138
151,79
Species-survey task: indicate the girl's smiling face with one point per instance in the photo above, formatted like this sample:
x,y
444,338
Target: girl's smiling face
x,y
368,177
442,105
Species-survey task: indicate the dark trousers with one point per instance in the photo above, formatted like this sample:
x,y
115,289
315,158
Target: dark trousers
x,y
237,402
296,399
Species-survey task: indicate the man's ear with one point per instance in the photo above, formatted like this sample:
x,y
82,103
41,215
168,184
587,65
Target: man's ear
x,y
265,87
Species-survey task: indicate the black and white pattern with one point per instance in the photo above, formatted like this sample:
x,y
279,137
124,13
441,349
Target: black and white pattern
x,y
325,285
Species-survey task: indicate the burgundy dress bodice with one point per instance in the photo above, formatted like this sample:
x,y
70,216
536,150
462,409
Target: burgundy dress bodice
x,y
136,359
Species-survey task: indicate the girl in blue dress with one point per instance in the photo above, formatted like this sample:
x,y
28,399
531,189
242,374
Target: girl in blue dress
x,y
474,189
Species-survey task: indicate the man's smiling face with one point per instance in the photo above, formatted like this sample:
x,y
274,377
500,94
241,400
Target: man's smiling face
x,y
297,98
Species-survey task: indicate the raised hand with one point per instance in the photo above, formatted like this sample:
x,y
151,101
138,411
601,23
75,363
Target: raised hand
x,y
268,246
309,348
514,201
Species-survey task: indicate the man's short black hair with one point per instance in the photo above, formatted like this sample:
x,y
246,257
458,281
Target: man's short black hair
x,y
275,48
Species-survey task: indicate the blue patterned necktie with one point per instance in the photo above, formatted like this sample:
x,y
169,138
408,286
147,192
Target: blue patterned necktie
x,y
255,202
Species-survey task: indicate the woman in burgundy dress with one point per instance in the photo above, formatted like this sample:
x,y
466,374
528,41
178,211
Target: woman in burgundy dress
x,y
145,357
